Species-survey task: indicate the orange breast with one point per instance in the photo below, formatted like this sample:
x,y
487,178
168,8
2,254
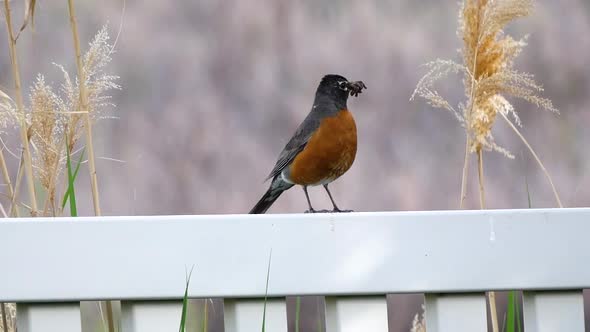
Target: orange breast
x,y
329,153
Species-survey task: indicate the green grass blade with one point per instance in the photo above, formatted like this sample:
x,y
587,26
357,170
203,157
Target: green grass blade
x,y
71,180
511,312
297,312
266,292
71,191
182,327
79,163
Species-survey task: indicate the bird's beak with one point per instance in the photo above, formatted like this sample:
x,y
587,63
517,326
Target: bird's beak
x,y
356,88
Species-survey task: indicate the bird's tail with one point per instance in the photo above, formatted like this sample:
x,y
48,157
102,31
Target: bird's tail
x,y
274,191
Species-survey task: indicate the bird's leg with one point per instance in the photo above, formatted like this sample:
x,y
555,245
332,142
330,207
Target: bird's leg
x,y
336,209
311,210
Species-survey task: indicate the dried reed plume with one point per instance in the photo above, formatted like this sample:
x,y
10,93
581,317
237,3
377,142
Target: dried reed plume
x,y
489,77
7,111
419,323
97,83
46,132
54,120
59,117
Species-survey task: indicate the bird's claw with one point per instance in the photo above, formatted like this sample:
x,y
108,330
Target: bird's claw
x,y
341,211
328,211
318,211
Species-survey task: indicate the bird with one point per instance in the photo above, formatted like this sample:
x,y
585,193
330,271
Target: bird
x,y
323,147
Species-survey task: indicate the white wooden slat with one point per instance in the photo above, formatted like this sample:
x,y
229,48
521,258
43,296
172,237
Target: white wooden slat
x,y
456,312
553,311
245,315
39,317
349,254
150,316
353,314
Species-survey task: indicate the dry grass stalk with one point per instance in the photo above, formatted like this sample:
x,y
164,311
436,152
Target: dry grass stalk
x,y
464,174
526,143
482,198
84,108
21,110
493,311
8,317
3,211
4,325
29,16
5,175
19,176
6,119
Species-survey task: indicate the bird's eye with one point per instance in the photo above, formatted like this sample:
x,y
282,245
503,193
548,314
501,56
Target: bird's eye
x,y
343,86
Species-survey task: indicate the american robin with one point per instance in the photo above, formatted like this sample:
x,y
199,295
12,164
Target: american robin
x,y
322,148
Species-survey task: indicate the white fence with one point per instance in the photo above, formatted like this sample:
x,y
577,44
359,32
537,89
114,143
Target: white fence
x,y
354,259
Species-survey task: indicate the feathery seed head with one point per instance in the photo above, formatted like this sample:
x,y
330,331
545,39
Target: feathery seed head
x,y
45,131
53,117
488,60
8,113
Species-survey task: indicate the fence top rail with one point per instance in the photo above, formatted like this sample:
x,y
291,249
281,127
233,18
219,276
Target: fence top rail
x,y
332,254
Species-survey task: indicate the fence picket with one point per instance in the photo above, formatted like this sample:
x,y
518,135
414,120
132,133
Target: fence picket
x,y
553,311
245,315
150,316
351,314
35,317
456,312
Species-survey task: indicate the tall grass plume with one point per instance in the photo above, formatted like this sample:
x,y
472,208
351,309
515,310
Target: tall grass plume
x,y
419,323
53,120
489,78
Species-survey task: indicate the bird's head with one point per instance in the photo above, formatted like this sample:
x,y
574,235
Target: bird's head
x,y
339,88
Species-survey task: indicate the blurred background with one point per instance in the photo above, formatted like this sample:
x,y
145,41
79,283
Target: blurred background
x,y
213,89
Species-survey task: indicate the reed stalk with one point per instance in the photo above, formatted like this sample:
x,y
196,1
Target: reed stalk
x,y
85,109
28,165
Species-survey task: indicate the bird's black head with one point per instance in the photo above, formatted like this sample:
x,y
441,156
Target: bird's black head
x,y
337,89
334,86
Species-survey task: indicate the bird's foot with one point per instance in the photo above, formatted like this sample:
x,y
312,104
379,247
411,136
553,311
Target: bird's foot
x,y
337,210
318,211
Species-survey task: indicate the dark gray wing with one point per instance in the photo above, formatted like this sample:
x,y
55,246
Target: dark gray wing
x,y
296,144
